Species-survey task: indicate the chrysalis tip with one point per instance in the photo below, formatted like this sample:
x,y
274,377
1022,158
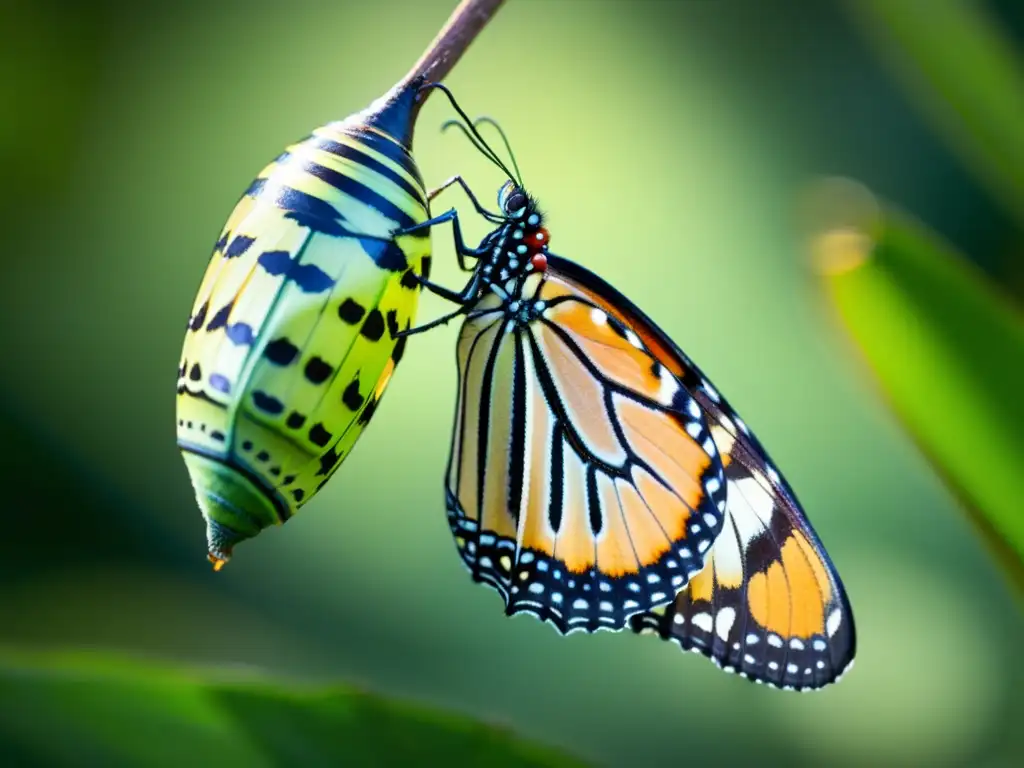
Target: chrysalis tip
x,y
218,562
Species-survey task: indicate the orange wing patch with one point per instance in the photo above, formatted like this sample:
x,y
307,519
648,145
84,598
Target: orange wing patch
x,y
615,548
582,396
768,604
561,285
574,543
583,485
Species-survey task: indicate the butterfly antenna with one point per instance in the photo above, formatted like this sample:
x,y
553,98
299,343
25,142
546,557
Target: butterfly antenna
x,y
480,143
504,139
485,151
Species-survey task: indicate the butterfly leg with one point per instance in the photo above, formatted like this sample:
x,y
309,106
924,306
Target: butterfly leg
x,y
463,299
461,249
443,320
469,193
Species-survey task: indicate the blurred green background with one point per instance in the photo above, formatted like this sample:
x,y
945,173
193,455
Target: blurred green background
x,y
674,146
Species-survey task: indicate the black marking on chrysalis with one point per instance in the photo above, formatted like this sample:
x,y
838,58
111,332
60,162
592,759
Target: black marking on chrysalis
x,y
351,311
319,436
351,397
267,403
318,371
239,245
373,327
281,352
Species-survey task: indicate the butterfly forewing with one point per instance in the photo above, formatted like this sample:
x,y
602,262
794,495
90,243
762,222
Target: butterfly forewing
x,y
583,483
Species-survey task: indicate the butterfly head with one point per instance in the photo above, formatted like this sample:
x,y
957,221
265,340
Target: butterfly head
x,y
528,239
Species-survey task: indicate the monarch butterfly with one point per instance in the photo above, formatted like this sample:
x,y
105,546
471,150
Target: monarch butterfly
x,y
597,479
293,335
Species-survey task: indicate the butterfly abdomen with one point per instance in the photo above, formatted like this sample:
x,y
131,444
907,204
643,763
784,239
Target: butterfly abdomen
x,y
292,336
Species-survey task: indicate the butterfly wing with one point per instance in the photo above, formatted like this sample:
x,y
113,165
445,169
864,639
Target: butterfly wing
x,y
769,604
583,484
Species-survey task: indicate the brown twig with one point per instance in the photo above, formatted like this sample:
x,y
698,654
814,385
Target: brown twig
x,y
465,23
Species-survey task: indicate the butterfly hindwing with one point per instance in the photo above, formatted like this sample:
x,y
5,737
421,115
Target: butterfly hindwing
x,y
769,603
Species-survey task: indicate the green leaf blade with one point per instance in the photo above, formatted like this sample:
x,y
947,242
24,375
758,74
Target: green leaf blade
x,y
968,77
946,351
78,710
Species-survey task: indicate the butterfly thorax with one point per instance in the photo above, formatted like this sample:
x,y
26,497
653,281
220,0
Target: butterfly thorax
x,y
516,249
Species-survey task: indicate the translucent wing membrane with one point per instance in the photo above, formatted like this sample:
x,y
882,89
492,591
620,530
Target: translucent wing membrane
x,y
583,482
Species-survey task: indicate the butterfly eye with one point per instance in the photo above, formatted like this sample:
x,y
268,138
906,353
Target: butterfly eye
x,y
515,202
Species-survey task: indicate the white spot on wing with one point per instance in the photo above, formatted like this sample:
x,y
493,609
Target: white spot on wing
x,y
703,621
750,506
728,561
832,624
598,317
668,387
722,439
724,621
